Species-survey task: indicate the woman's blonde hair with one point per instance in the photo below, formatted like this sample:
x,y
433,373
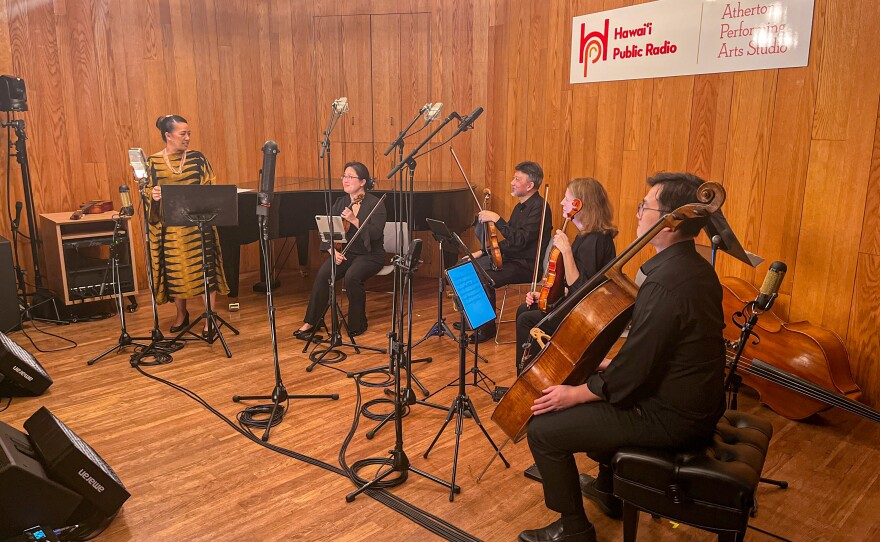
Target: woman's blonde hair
x,y
596,213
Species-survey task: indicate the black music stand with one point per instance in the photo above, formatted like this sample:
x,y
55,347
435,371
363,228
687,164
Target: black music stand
x,y
475,310
203,206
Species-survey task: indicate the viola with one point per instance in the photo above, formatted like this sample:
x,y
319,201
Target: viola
x,y
593,317
346,225
490,232
554,279
799,369
490,236
92,208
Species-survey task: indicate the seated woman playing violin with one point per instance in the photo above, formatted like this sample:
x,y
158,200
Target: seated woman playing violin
x,y
572,264
362,260
521,233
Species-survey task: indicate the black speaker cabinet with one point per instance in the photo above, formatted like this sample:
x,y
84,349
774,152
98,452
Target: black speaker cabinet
x,y
20,372
13,96
28,497
9,316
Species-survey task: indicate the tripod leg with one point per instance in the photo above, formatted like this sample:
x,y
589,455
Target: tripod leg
x,y
458,431
473,411
452,410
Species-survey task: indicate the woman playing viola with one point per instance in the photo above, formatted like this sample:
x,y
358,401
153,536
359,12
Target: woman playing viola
x,y
362,260
592,249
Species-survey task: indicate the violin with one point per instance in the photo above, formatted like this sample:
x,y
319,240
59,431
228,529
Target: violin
x,y
346,225
490,235
94,207
554,279
799,369
593,317
365,221
490,232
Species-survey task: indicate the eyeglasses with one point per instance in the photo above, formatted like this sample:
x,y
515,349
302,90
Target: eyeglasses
x,y
350,177
642,208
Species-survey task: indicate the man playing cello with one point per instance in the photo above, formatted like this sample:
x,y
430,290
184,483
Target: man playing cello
x,y
663,389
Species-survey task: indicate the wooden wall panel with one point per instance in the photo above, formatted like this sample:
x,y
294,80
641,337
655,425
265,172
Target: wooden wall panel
x,y
797,149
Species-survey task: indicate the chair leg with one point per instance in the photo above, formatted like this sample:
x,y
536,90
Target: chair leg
x,y
501,316
630,522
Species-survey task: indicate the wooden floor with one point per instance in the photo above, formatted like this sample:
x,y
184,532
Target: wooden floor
x,y
193,478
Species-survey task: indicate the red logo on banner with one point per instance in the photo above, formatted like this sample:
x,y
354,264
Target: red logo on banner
x,y
593,46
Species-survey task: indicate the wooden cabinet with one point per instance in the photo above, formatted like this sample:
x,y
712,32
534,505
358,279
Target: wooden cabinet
x,y
77,254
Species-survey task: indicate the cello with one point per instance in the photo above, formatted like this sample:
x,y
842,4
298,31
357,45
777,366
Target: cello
x,y
799,369
554,278
595,316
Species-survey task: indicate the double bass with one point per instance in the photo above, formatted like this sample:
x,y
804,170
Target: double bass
x,y
799,369
595,315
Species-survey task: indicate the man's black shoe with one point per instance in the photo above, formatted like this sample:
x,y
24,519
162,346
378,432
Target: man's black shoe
x,y
610,505
457,325
482,335
553,533
533,473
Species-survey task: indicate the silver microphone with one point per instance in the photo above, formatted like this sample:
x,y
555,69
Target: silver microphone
x,y
138,161
433,112
340,105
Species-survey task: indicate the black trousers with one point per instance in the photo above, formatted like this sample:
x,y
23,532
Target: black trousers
x,y
356,269
528,317
513,272
598,429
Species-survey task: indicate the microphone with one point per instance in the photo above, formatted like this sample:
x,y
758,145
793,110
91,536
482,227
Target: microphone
x,y
340,105
468,121
433,112
425,108
267,177
138,162
127,207
770,288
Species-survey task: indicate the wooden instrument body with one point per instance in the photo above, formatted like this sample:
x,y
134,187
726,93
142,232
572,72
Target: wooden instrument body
x,y
92,208
554,280
490,236
597,321
346,225
800,348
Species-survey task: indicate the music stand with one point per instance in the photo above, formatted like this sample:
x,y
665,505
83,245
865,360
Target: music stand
x,y
203,206
475,310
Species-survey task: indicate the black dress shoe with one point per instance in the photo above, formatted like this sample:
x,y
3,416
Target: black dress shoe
x,y
306,334
181,327
457,325
610,505
554,533
356,332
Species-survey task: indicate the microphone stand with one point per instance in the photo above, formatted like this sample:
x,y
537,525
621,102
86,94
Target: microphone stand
x,y
160,348
279,392
319,357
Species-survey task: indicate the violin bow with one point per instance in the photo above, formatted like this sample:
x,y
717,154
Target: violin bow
x,y
361,227
540,238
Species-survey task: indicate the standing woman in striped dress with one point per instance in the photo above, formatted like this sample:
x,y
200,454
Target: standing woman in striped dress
x,y
176,251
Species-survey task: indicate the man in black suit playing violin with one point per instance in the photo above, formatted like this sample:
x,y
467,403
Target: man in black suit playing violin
x,y
520,232
664,388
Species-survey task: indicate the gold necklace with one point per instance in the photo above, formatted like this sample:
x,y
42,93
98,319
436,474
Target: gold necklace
x,y
179,170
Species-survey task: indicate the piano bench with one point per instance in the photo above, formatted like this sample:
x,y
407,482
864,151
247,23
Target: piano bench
x,y
712,488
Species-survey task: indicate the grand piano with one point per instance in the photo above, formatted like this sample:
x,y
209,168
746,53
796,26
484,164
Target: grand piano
x,y
298,200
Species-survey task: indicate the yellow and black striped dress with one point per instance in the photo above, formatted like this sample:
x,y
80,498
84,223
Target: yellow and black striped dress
x,y
176,251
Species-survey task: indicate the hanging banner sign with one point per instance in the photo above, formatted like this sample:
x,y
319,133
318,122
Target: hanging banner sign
x,y
684,37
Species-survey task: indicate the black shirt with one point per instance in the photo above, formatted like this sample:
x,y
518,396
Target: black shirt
x,y
372,240
521,231
591,253
673,359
